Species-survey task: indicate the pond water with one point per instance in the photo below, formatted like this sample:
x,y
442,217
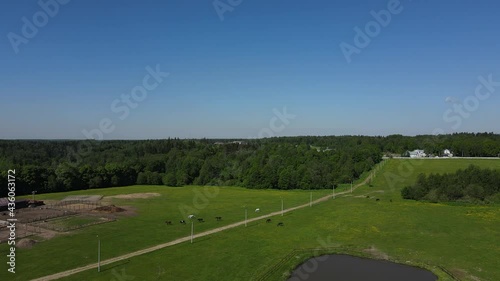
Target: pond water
x,y
349,268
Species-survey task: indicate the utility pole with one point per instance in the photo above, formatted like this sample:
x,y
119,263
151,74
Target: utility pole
x,y
281,206
98,254
192,231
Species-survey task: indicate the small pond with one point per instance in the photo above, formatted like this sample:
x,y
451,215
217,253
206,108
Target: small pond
x,y
344,267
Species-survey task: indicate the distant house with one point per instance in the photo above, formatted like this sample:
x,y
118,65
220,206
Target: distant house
x,y
319,149
233,142
417,153
447,153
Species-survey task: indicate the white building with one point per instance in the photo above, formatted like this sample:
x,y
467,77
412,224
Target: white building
x,y
447,153
417,153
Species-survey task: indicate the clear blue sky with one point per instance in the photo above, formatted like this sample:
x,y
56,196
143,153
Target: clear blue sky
x,y
227,76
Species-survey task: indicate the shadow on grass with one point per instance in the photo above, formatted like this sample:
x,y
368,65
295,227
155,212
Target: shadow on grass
x,y
201,239
116,264
252,225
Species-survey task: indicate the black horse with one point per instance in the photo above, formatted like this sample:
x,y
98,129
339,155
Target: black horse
x,y
218,218
168,222
280,224
268,220
200,220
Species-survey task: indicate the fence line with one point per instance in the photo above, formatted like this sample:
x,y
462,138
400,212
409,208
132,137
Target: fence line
x,y
61,209
74,227
23,231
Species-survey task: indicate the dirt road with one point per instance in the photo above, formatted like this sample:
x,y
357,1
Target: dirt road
x,y
185,239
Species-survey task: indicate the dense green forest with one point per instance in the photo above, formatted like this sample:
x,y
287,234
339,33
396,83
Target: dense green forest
x,y
470,185
282,163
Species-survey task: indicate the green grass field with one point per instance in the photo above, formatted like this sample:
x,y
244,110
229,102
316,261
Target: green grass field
x,y
148,227
461,239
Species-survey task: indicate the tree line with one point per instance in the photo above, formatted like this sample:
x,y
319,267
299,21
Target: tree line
x,y
460,144
470,185
307,162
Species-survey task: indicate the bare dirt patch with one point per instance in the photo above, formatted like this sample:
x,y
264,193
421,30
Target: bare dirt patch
x,y
109,209
28,215
46,234
376,253
62,217
26,243
27,230
462,274
115,212
135,195
79,207
90,198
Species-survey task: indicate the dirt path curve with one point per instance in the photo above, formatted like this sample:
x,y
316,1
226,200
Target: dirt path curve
x,y
185,239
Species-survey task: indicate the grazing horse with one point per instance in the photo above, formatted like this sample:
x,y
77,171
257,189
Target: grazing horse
x,y
377,199
183,221
168,222
268,220
201,220
280,224
390,200
218,218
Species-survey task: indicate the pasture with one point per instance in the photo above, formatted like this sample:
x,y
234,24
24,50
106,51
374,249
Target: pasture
x,y
144,225
462,240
